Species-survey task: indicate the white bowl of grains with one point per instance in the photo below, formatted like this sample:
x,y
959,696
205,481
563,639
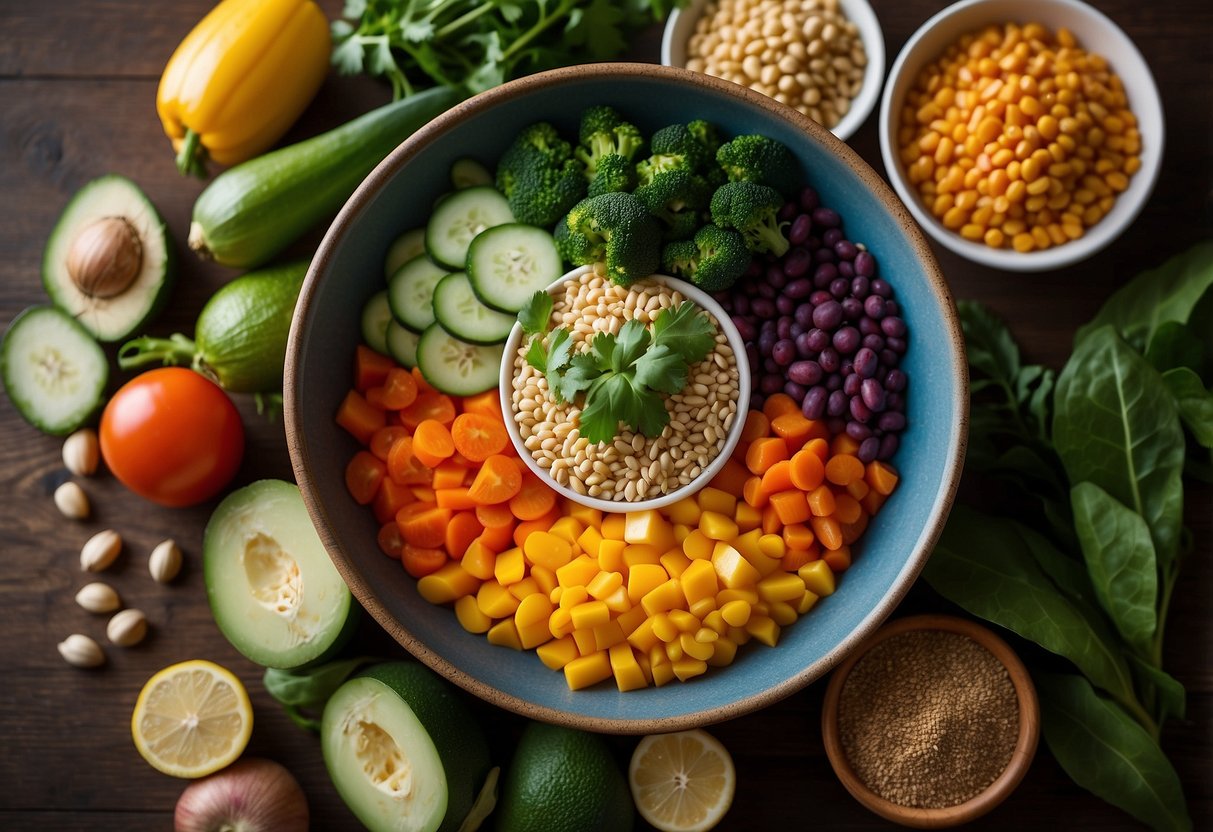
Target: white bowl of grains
x,y
631,472
824,58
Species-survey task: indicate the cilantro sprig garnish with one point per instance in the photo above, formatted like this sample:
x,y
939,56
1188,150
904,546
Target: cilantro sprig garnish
x,y
621,378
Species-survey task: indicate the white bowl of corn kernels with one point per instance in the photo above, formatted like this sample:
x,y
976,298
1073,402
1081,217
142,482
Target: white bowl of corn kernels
x,y
824,58
632,472
1025,135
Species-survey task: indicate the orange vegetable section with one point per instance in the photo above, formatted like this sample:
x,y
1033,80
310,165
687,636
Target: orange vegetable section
x,y
643,598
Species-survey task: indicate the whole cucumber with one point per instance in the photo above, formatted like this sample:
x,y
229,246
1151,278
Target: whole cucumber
x,y
254,210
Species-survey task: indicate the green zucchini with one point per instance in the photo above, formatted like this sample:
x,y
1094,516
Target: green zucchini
x,y
256,209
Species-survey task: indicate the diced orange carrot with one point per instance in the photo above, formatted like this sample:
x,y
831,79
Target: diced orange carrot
x,y
753,494
821,447
842,443
487,403
791,506
798,536
448,474
757,426
731,478
533,500
423,524
846,508
795,429
765,452
837,559
771,524
363,475
420,561
778,405
370,368
497,481
777,478
391,498
498,538
807,472
858,489
462,461
872,502
793,559
829,534
423,386
853,531
882,477
374,397
478,437
495,516
383,439
843,469
359,417
460,532
428,405
457,499
424,493
821,501
399,389
390,541
432,443
403,467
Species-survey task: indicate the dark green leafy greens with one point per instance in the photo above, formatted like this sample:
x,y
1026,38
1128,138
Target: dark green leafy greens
x,y
304,691
1095,458
478,44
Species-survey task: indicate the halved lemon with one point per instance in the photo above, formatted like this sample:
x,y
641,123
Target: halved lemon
x,y
682,782
192,719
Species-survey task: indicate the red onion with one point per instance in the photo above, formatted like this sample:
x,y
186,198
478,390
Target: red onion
x,y
251,795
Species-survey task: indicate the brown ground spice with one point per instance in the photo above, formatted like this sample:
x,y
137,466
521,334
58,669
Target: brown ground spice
x,y
928,719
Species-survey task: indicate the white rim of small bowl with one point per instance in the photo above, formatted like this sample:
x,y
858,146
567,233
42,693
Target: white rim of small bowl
x,y
1128,204
505,389
860,12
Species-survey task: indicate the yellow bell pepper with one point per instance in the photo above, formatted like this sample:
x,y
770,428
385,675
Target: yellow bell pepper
x,y
241,78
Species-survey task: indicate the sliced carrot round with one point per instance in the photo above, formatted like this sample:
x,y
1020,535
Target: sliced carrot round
x,y
420,561
390,540
478,437
497,481
383,439
429,404
534,499
399,389
432,443
363,475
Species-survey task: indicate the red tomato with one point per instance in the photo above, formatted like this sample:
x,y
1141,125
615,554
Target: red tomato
x,y
172,436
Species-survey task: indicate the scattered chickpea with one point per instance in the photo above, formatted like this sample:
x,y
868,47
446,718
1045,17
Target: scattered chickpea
x,y
1017,138
803,53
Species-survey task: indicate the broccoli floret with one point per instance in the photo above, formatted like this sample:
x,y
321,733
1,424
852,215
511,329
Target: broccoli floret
x,y
539,176
753,210
614,229
759,159
676,198
706,134
604,133
614,173
713,260
674,147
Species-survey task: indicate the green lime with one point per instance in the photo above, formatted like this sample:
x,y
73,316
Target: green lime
x,y
563,780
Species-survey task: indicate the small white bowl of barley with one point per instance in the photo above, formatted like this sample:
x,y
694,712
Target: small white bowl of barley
x,y
629,471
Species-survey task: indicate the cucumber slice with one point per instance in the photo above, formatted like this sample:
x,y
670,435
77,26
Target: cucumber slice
x,y
461,313
509,263
376,318
402,344
455,366
458,218
54,371
411,292
113,221
468,173
403,249
272,587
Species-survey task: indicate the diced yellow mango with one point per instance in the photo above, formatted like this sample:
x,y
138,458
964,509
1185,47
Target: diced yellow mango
x,y
560,623
642,660
782,613
637,553
525,587
657,655
495,601
557,653
750,596
681,531
747,543
586,645
713,499
684,621
735,613
674,651
764,629
505,634
532,609
590,614
610,555
604,584
668,596
567,528
732,569
738,635
717,526
628,675
467,611
746,516
685,511
807,602
642,637
702,607
546,578
584,514
612,526
648,527
695,649
448,583
772,546
577,572
698,546
764,565
715,622
781,586
699,581
608,635
723,653
547,550
688,668
618,601
663,627
510,567
761,608
534,634
663,674
630,619
817,577
571,596
589,540
706,635
675,562
587,670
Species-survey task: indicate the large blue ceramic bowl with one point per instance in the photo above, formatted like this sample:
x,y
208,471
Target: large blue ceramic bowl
x,y
348,268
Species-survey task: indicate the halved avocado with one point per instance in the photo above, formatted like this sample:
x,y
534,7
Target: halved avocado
x,y
272,587
109,261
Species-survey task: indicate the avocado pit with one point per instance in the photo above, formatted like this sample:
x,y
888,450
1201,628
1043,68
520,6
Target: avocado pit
x,y
105,257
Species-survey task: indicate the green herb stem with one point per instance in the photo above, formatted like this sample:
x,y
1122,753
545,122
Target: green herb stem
x,y
540,26
463,19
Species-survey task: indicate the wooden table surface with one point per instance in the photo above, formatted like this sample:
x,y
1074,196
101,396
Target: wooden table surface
x,y
77,89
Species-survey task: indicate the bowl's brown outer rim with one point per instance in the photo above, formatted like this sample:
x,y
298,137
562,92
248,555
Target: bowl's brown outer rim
x,y
365,594
979,804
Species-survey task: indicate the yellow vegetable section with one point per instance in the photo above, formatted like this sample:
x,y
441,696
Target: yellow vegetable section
x,y
647,597
241,78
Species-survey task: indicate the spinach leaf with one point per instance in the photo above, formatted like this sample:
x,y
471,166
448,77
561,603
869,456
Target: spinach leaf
x,y
1067,572
982,564
1120,560
1170,696
1106,752
1116,425
1175,345
1022,390
1167,293
1195,403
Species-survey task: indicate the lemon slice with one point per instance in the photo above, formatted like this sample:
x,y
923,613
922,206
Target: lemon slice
x,y
192,719
682,782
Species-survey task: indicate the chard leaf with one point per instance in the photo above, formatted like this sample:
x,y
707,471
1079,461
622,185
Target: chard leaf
x,y
1170,695
1195,403
1175,345
982,564
1106,752
1067,572
661,369
1120,560
1116,425
686,330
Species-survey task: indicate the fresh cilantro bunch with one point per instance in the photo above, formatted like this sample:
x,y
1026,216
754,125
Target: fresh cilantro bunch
x,y
621,376
478,44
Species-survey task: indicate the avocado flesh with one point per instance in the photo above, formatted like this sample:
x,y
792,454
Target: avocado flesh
x,y
123,315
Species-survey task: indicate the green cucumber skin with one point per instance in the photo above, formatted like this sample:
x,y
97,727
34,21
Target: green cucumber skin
x,y
253,211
